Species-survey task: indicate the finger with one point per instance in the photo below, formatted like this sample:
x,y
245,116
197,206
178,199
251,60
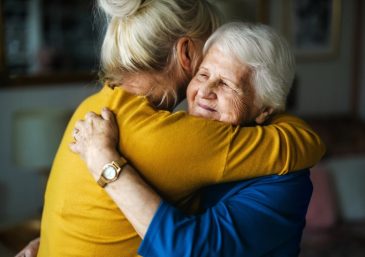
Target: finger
x,y
107,114
74,147
21,254
79,124
28,253
90,116
75,132
77,137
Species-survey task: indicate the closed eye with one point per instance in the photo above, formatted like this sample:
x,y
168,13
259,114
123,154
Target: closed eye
x,y
230,87
224,84
202,76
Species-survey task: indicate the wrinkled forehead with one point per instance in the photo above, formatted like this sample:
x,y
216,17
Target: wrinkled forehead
x,y
227,65
228,51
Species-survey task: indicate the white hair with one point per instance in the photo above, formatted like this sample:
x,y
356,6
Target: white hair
x,y
268,55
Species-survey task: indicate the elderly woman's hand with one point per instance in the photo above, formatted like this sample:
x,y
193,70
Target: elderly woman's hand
x,y
96,140
30,250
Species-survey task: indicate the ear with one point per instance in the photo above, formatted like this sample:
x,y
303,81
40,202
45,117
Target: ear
x,y
185,52
264,115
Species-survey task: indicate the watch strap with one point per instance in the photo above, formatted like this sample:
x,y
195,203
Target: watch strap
x,y
118,165
101,181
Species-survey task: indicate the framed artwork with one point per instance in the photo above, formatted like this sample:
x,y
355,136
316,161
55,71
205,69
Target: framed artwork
x,y
243,10
313,27
48,42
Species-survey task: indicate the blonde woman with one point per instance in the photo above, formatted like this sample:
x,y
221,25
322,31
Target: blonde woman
x,y
152,48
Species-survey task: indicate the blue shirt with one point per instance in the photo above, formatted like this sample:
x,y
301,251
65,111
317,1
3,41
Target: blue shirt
x,y
257,217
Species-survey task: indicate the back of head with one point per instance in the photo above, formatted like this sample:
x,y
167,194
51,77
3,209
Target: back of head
x,y
141,34
269,56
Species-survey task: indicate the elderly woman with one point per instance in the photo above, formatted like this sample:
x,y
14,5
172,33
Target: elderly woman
x,y
258,217
170,150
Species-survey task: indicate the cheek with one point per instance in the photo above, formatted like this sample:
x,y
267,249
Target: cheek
x,y
245,108
238,109
191,93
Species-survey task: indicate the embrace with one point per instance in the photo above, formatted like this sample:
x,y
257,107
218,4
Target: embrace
x,y
229,177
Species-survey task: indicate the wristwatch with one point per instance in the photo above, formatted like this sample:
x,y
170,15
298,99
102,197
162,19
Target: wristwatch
x,y
111,171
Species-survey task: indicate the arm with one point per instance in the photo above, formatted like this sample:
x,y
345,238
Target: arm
x,y
252,218
30,250
138,201
258,219
96,139
95,142
148,137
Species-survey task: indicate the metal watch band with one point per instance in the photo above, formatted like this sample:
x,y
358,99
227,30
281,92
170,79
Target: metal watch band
x,y
118,165
101,181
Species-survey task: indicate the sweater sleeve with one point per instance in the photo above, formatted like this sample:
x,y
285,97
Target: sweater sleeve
x,y
262,219
160,142
286,144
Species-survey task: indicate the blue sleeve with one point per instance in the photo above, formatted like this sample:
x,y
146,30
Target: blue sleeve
x,y
255,221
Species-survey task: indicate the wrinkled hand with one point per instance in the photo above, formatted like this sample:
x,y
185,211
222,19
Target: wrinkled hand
x,y
30,250
96,139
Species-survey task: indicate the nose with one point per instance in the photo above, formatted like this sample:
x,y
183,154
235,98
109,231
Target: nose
x,y
207,91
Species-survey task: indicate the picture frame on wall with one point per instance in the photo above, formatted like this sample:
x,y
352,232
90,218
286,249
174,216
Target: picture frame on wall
x,y
243,10
48,42
313,28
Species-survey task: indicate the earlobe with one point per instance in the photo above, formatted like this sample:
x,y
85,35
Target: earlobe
x,y
264,115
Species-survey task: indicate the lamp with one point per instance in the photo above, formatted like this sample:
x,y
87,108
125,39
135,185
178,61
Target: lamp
x,y
37,134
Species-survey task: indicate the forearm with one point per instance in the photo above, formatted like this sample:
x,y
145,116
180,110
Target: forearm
x,y
95,142
232,151
137,200
287,144
134,197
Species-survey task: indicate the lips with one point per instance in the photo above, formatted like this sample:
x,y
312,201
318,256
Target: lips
x,y
206,107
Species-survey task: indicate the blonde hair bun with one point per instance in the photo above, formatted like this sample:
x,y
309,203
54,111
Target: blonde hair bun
x,y
120,8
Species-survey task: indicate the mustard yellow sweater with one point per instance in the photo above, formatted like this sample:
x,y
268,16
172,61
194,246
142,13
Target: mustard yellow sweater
x,y
176,153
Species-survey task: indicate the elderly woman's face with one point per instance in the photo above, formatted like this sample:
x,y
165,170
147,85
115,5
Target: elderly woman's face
x,y
221,90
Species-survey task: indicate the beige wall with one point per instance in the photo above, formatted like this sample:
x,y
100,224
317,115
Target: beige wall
x,y
324,85
22,188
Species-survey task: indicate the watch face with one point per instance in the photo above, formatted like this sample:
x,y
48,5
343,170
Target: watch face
x,y
110,172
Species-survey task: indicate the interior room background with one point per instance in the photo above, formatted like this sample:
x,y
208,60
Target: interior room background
x,y
41,83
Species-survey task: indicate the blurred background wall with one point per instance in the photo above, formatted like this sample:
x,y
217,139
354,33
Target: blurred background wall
x,y
24,185
329,91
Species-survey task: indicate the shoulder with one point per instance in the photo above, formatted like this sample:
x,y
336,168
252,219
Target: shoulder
x,y
289,193
283,193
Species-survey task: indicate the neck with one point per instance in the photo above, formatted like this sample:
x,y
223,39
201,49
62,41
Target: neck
x,y
153,87
138,83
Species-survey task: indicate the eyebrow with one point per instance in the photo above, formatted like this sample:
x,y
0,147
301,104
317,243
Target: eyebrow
x,y
202,68
235,84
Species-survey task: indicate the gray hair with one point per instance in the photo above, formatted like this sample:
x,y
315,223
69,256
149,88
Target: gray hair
x,y
266,53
